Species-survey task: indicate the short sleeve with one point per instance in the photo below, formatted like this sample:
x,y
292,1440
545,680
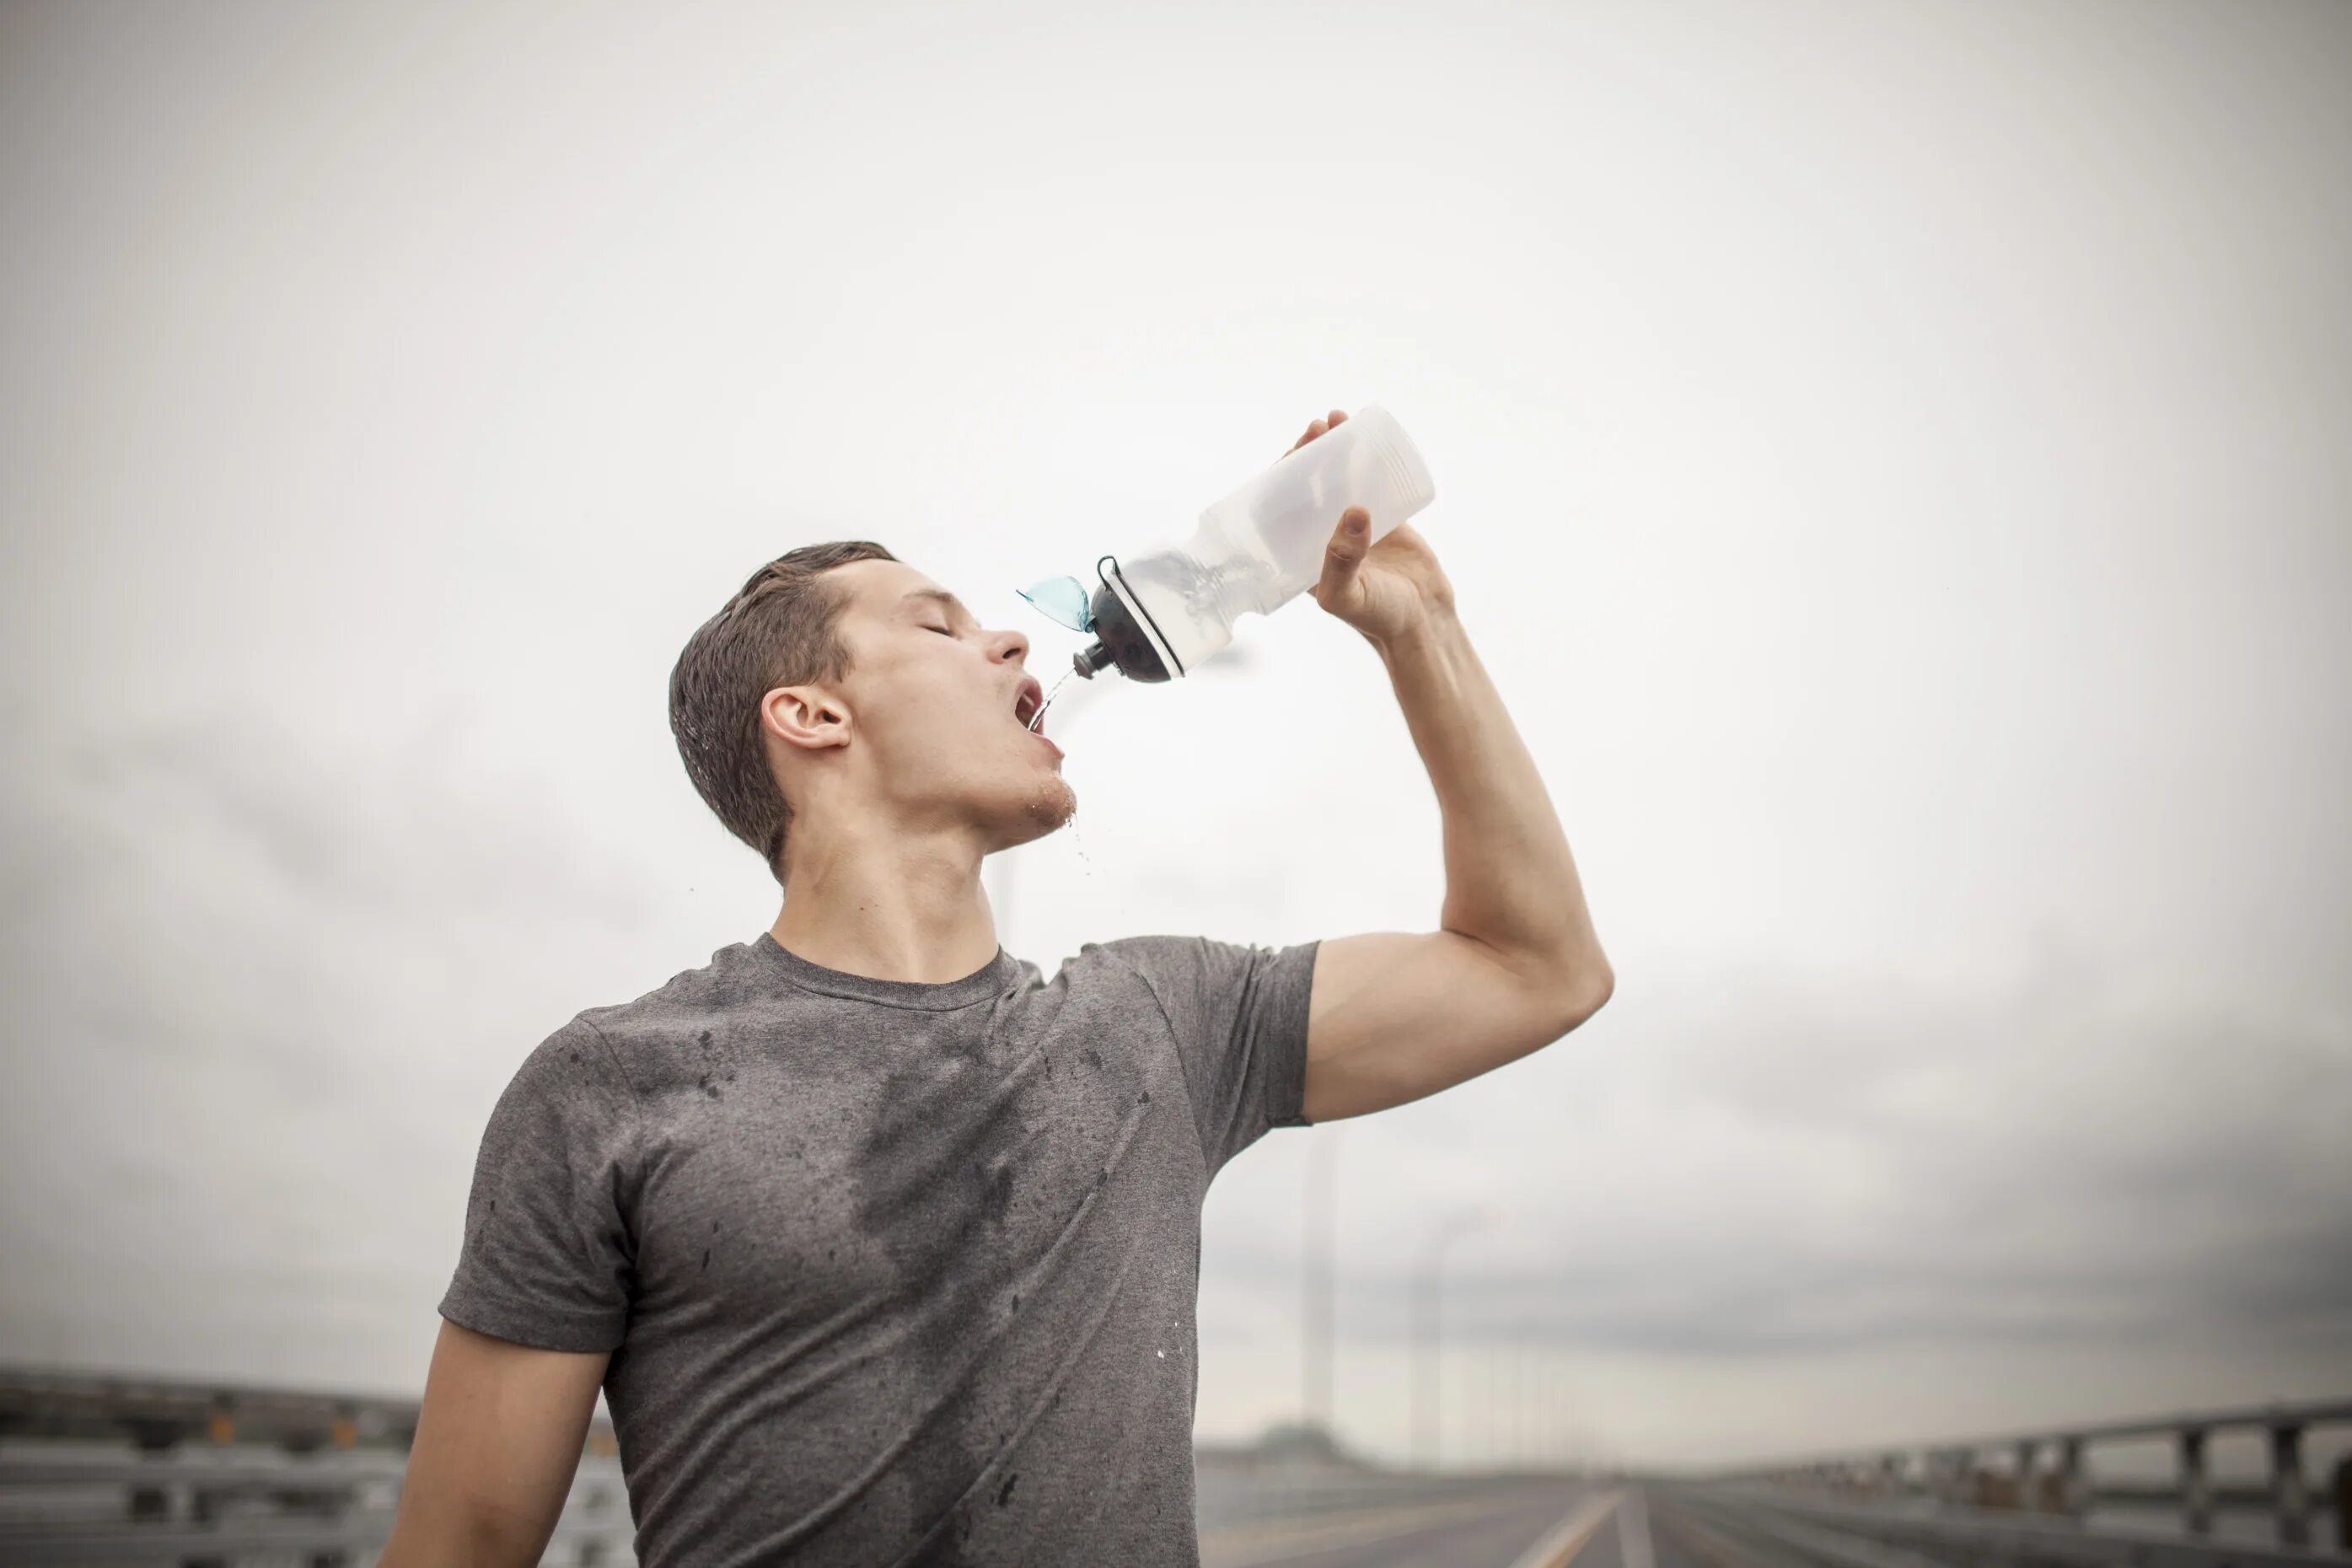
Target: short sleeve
x,y
548,1261
1239,1016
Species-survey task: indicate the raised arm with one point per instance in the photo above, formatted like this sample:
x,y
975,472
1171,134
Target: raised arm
x,y
1514,963
497,1441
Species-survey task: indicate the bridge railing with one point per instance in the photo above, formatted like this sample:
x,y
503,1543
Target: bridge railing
x,y
1754,1522
2049,1470
126,1470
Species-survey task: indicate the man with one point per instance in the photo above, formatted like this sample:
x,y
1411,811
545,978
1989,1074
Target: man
x,y
884,1249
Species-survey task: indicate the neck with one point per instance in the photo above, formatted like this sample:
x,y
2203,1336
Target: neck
x,y
888,904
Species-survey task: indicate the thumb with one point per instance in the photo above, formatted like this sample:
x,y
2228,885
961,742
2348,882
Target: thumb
x,y
1343,555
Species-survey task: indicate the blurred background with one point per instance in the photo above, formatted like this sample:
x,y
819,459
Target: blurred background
x,y
1896,461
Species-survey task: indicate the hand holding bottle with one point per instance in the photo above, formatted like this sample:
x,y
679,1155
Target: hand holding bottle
x,y
1389,590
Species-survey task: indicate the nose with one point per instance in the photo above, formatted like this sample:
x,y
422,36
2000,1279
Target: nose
x,y
1013,648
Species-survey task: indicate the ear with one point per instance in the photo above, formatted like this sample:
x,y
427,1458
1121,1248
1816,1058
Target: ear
x,y
808,717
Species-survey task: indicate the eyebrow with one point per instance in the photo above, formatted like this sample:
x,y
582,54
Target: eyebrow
x,y
953,605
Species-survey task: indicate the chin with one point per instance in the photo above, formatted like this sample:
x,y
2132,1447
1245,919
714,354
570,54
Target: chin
x,y
1047,804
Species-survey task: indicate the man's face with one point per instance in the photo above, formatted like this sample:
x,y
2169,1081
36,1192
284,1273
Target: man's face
x,y
940,708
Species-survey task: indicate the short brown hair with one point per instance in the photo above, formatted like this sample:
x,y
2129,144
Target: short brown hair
x,y
780,629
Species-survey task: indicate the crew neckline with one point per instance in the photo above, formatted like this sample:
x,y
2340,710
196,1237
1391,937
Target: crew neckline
x,y
989,979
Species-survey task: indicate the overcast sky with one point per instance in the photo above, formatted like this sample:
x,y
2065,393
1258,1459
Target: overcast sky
x,y
1896,461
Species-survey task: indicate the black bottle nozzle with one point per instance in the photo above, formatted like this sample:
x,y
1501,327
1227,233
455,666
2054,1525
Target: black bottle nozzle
x,y
1118,640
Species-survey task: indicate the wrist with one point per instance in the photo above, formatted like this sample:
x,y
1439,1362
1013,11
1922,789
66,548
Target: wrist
x,y
1434,628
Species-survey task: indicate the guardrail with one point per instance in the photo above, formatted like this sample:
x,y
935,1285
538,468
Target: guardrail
x,y
1758,1523
125,1471
1954,1473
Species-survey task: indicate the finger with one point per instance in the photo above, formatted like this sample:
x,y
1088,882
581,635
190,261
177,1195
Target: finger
x,y
1338,416
1344,554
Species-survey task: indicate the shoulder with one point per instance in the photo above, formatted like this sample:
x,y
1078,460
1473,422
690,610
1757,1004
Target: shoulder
x,y
620,1050
1151,963
1174,962
733,978
1179,975
565,1100
1149,956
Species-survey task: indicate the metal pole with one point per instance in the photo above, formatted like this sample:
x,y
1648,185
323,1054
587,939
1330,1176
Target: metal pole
x,y
1424,1337
1426,1413
1316,1310
1437,1360
1477,1380
2195,1486
154,1440
1520,1394
1487,1408
2288,1487
2073,1496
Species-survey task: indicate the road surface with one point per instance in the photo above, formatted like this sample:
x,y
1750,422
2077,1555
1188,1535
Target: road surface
x,y
1511,1525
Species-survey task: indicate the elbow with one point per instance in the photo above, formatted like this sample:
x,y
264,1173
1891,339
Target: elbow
x,y
1604,986
1556,994
1585,990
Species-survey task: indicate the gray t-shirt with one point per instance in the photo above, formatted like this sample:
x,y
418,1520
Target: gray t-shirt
x,y
891,1272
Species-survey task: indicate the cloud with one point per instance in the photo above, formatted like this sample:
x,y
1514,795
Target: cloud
x,y
1743,1166
263,982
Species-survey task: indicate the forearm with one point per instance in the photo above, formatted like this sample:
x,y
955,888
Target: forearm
x,y
1510,880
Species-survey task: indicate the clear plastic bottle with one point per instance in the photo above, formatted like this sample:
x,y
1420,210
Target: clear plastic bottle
x,y
1163,610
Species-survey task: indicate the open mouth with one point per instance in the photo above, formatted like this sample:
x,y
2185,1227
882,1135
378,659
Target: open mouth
x,y
1028,705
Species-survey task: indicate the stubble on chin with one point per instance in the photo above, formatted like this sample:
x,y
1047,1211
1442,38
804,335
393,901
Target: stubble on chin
x,y
1053,804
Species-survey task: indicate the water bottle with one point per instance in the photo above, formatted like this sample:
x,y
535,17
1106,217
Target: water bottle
x,y
1161,611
